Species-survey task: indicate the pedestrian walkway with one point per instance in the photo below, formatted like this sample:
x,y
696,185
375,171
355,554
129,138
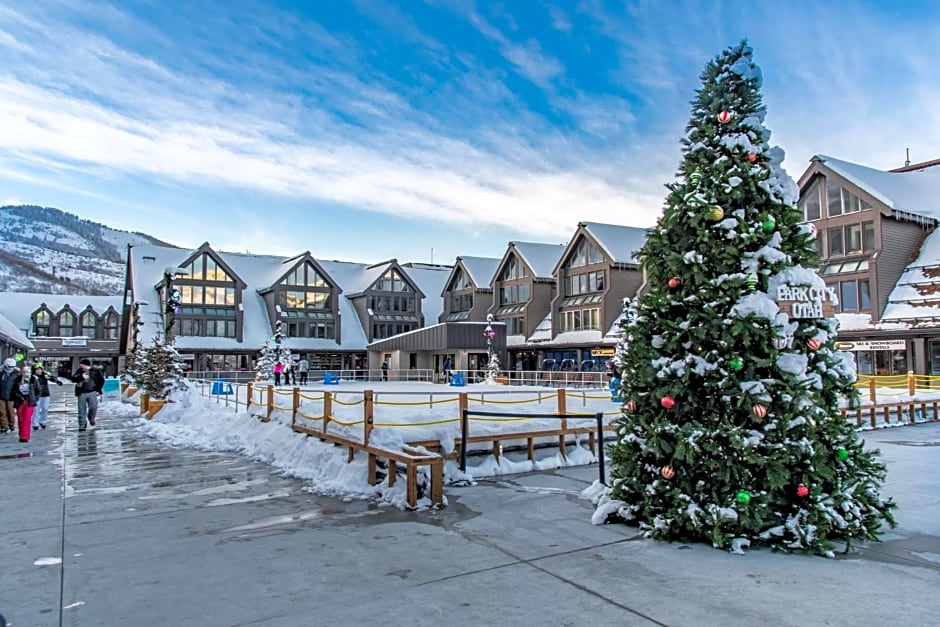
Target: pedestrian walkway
x,y
107,527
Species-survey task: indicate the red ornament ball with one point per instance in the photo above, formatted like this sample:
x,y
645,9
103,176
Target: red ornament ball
x,y
759,410
802,491
631,405
674,282
752,157
724,117
668,472
667,402
813,343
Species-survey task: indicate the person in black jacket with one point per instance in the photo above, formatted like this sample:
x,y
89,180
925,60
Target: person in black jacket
x,y
26,392
8,375
89,384
41,415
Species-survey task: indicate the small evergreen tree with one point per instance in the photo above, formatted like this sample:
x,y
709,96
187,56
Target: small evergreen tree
x,y
161,370
274,350
133,365
731,431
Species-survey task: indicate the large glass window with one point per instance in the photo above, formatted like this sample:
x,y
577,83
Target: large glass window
x,y
584,283
392,281
205,267
868,236
207,295
836,242
849,296
511,294
581,320
66,324
864,296
514,269
305,300
809,202
305,275
853,239
839,200
585,253
460,280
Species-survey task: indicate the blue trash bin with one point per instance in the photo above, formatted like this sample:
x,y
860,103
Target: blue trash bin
x,y
221,386
456,380
330,378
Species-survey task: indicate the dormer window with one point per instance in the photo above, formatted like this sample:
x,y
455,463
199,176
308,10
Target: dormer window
x,y
305,276
89,323
41,323
111,324
392,281
66,324
460,282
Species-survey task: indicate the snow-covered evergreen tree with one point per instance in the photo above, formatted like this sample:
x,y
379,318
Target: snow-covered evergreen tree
x,y
275,349
133,365
161,370
492,364
731,431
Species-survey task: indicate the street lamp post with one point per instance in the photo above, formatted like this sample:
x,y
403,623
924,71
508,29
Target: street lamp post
x,y
173,301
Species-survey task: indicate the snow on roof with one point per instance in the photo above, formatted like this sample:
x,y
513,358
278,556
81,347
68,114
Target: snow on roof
x,y
621,243
915,192
579,337
12,334
260,272
916,295
18,307
541,258
543,331
480,269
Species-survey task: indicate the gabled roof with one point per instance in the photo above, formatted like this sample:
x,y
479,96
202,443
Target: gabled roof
x,y
480,271
12,334
430,281
916,191
288,265
621,243
541,258
18,307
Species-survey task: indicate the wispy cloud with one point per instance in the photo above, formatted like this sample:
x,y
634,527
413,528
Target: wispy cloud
x,y
280,106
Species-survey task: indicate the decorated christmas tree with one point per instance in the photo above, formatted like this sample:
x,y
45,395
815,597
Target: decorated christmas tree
x,y
161,370
134,365
731,432
274,350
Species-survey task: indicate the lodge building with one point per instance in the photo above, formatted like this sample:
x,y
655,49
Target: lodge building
x,y
554,306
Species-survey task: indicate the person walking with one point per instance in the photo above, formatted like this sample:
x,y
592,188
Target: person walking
x,y
26,391
278,369
447,368
384,371
8,377
41,415
303,368
89,384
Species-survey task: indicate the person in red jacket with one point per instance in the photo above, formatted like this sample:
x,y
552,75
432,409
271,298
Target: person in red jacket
x,y
26,391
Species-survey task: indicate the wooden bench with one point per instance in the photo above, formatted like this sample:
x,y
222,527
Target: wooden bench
x,y
411,459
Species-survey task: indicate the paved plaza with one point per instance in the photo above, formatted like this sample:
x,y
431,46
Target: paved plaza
x,y
108,527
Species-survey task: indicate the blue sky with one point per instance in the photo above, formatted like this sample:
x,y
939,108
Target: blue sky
x,y
369,129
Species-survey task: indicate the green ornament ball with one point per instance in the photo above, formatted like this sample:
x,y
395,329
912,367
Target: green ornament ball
x,y
769,224
743,497
736,363
842,454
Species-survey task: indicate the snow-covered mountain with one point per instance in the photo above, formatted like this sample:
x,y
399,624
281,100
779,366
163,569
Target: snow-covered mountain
x,y
46,250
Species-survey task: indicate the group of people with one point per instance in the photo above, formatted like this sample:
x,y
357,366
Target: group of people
x,y
24,398
25,394
289,372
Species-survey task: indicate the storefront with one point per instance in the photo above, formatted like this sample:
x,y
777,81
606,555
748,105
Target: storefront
x,y
882,357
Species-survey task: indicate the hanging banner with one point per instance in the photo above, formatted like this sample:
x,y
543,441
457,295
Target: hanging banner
x,y
802,303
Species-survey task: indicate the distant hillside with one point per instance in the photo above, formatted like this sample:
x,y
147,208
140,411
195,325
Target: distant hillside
x,y
45,250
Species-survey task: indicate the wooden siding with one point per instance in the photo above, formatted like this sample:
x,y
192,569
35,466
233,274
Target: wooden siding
x,y
623,283
900,242
448,335
539,306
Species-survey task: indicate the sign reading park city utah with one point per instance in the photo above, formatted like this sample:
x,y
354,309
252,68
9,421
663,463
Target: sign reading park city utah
x,y
801,303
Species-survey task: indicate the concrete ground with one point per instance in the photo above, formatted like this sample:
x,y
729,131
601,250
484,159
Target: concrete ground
x,y
106,527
